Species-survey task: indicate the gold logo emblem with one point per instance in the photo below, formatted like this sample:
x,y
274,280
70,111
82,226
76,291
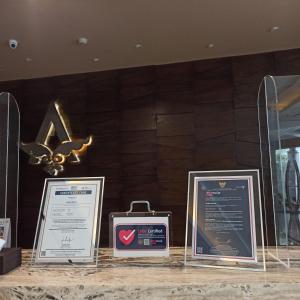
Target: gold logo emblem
x,y
222,184
67,148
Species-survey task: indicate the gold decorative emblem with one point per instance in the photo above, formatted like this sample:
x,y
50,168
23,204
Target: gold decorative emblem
x,y
222,184
67,148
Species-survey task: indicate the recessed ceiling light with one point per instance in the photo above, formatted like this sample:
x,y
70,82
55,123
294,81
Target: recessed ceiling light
x,y
82,40
95,59
210,45
28,59
274,28
138,46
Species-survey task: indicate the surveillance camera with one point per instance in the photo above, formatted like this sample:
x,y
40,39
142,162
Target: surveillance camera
x,y
13,44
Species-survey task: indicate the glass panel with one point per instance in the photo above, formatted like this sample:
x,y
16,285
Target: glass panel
x,y
9,161
280,131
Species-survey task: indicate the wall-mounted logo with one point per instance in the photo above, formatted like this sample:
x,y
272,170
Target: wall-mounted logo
x,y
52,156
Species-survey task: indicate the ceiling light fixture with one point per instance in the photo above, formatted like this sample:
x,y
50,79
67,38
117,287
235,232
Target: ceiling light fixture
x,y
96,59
210,45
82,40
274,28
138,46
28,59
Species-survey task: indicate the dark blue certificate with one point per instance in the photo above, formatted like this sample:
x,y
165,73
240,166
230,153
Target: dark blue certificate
x,y
224,222
141,236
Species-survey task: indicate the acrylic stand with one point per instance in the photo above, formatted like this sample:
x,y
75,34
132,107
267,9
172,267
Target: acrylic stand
x,y
10,257
279,127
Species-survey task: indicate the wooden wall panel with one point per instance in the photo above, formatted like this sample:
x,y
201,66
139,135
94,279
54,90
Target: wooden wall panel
x,y
176,147
287,62
209,117
213,81
179,102
151,126
175,124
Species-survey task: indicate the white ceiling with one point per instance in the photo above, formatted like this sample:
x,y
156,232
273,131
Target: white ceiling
x,y
169,31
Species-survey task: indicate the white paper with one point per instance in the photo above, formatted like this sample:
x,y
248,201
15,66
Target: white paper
x,y
68,229
5,231
2,244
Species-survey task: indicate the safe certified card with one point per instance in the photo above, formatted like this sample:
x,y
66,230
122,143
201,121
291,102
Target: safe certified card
x,y
141,236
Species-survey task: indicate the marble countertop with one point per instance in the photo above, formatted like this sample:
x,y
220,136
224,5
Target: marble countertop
x,y
147,279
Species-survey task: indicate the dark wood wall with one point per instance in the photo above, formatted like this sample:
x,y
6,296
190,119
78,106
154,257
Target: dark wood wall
x,y
151,125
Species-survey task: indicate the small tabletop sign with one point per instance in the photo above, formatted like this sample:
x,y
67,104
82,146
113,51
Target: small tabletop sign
x,y
221,209
5,232
68,228
140,234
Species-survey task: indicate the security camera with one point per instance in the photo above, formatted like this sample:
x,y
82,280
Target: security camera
x,y
13,44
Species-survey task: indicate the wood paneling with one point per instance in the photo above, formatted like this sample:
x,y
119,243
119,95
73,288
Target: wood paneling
x,y
151,125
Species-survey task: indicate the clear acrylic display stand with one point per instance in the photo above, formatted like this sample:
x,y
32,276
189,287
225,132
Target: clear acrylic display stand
x,y
279,128
9,162
197,201
143,217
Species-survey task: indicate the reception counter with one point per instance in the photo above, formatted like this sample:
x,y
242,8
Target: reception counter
x,y
147,279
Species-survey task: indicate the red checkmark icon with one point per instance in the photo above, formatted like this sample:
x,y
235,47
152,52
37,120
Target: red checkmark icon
x,y
126,236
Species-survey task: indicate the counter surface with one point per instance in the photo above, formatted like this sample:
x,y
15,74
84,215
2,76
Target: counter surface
x,y
129,279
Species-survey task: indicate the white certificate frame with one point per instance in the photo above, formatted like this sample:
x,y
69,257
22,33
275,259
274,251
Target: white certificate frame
x,y
67,221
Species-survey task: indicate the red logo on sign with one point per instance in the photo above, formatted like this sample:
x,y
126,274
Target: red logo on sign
x,y
126,236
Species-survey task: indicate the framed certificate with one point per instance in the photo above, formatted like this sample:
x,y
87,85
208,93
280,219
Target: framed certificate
x,y
69,222
224,215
